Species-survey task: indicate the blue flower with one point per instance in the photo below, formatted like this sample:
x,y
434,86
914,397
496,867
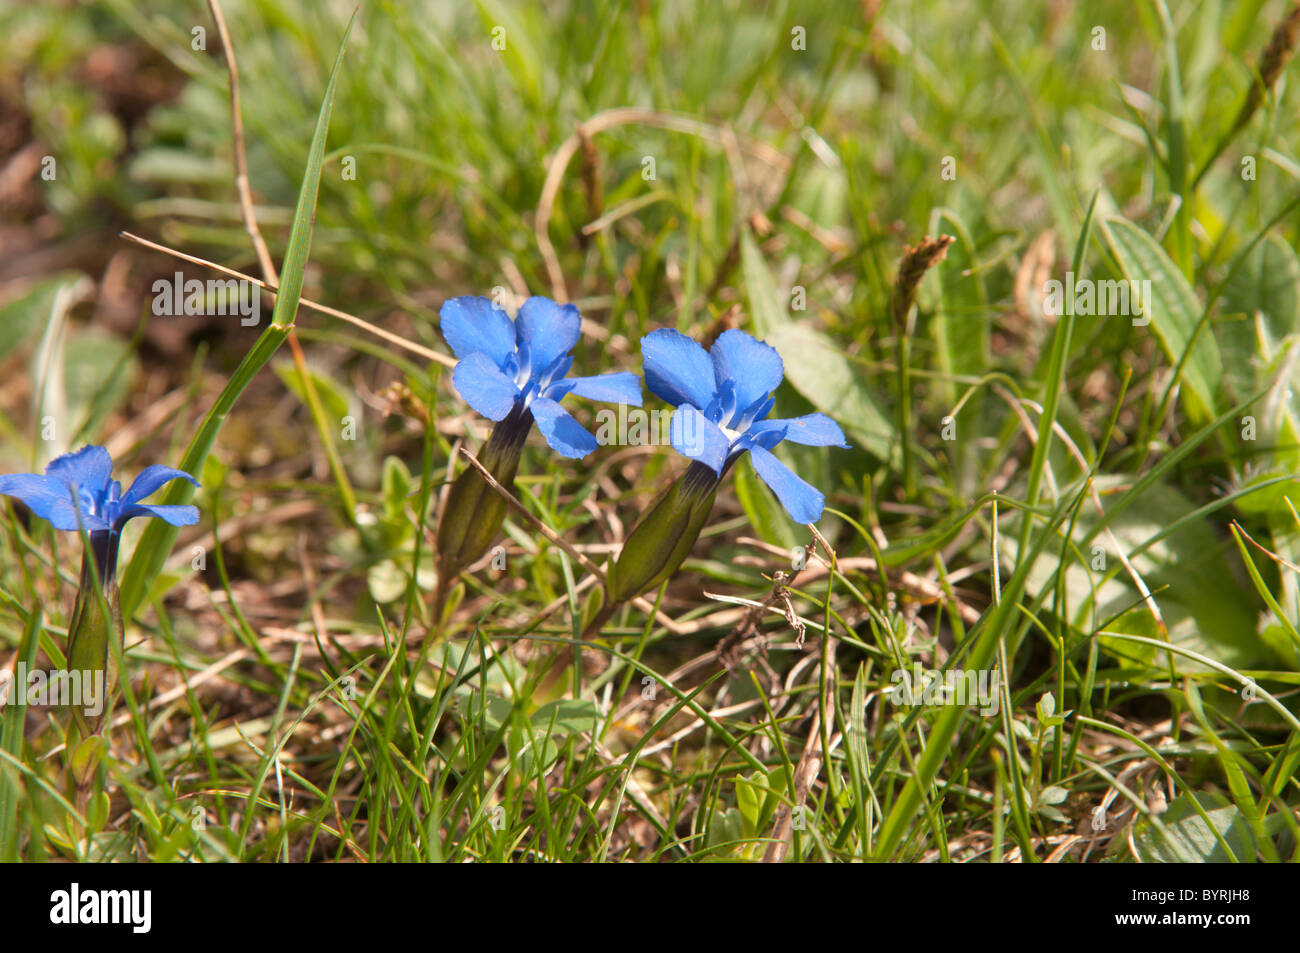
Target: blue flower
x,y
506,365
77,492
723,397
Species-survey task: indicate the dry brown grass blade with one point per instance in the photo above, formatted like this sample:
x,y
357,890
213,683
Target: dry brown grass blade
x,y
389,336
242,184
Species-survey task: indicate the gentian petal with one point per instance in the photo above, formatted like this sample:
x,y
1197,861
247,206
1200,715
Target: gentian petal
x,y
552,372
803,501
811,430
475,325
755,411
723,409
549,329
482,385
49,499
175,515
621,387
86,476
696,437
677,368
89,468
754,366
150,479
564,434
767,435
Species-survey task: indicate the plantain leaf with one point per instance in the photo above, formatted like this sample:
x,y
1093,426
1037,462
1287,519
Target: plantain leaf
x,y
820,371
1174,312
1268,281
765,309
1187,838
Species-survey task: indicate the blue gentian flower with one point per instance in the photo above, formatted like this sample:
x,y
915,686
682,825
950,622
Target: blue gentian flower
x,y
520,365
77,492
723,397
512,372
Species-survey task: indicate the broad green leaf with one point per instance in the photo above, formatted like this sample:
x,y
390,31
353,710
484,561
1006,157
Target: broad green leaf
x,y
502,673
1261,304
386,581
813,364
725,827
765,310
1054,379
1174,312
961,323
1186,837
1053,795
1046,706
749,799
1268,281
397,487
161,164
98,369
1190,572
833,384
49,374
567,716
22,317
333,398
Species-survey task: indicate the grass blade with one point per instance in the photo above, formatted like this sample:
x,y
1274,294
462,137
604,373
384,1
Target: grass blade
x,y
159,537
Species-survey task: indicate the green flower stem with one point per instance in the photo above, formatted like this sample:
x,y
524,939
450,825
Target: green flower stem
x,y
658,544
662,539
159,537
474,512
95,625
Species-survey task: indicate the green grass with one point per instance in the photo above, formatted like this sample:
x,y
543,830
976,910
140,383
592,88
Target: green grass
x,y
1101,513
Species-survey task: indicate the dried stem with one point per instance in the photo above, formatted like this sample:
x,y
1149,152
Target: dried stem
x,y
389,336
